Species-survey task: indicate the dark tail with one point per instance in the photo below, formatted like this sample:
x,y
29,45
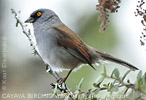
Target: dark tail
x,y
116,60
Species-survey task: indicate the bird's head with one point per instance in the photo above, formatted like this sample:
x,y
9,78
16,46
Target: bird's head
x,y
42,15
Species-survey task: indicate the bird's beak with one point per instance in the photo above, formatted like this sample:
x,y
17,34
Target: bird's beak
x,y
29,20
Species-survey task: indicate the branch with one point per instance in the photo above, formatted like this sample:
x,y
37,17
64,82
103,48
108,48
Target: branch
x,y
25,30
104,8
141,12
110,87
127,85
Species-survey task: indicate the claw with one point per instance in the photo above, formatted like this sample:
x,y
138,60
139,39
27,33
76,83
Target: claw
x,y
61,81
62,87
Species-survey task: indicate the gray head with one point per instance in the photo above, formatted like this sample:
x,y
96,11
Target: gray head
x,y
41,16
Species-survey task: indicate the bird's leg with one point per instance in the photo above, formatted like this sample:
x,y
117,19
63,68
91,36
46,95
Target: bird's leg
x,y
48,69
62,86
62,80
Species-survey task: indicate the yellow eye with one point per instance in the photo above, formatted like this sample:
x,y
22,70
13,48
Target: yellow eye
x,y
39,13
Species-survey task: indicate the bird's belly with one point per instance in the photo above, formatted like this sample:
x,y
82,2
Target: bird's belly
x,y
53,54
58,58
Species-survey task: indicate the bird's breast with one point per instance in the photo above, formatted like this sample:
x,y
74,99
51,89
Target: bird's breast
x,y
52,53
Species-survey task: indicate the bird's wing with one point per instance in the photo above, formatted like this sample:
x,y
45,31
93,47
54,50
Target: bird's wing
x,y
73,44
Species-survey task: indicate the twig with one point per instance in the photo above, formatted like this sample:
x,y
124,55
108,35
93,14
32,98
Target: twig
x,y
130,85
25,30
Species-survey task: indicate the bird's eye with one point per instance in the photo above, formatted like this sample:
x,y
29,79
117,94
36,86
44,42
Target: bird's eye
x,y
39,14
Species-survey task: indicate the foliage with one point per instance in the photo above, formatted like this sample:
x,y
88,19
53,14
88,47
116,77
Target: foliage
x,y
110,87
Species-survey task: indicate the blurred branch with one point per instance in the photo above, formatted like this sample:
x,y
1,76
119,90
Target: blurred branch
x,y
25,30
104,8
141,11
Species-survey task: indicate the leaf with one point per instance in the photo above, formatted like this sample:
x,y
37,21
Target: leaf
x,y
80,84
97,91
124,76
143,87
138,83
55,89
95,85
94,98
110,86
115,73
115,88
144,78
106,85
139,80
104,71
66,98
139,75
99,81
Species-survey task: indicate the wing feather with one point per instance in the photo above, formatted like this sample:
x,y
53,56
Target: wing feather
x,y
73,44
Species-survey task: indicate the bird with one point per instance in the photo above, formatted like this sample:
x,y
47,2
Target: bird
x,y
63,49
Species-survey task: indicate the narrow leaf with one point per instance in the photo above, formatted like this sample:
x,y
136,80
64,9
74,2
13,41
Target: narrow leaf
x,y
139,75
66,98
95,85
144,78
80,84
55,89
105,71
97,91
99,81
143,87
115,73
125,74
115,88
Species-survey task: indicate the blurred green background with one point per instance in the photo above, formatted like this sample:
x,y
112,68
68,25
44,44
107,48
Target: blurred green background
x,y
26,73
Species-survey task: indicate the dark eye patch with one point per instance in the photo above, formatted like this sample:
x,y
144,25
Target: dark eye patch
x,y
36,14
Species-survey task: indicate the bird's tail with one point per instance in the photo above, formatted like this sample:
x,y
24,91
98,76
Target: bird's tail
x,y
108,57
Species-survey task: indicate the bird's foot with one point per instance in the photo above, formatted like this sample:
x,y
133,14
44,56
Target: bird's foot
x,y
61,81
61,86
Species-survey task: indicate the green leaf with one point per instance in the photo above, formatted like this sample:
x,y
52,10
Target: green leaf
x,y
94,99
99,81
115,88
66,98
95,85
139,75
104,71
124,76
138,83
76,94
55,89
115,73
144,78
143,87
80,84
109,87
96,91
106,85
